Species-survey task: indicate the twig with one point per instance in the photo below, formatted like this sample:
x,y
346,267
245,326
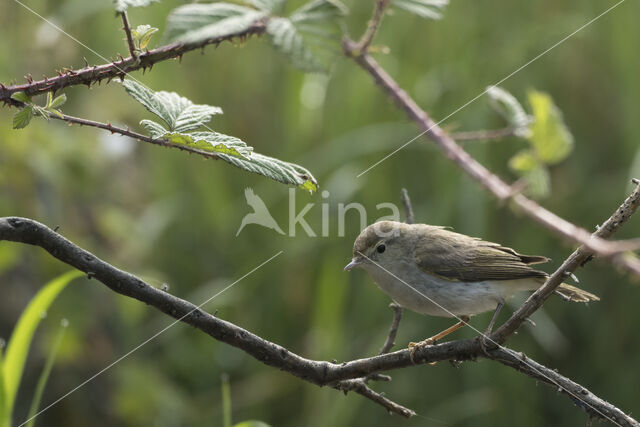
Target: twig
x,y
393,329
126,132
585,400
127,30
481,174
575,260
408,209
483,135
90,75
317,372
373,25
359,386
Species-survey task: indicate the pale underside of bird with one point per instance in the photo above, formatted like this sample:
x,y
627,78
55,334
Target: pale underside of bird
x,y
435,271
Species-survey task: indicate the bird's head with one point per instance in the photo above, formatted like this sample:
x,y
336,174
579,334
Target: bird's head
x,y
383,243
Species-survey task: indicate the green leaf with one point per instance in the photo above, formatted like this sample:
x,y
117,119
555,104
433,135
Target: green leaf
x,y
212,142
550,137
57,113
538,182
272,6
22,97
154,128
286,38
49,99
20,341
179,113
44,375
22,118
428,9
194,23
309,36
510,109
524,161
57,102
122,5
319,10
278,170
142,35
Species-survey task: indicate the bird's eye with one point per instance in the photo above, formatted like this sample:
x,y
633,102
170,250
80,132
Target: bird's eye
x,y
381,247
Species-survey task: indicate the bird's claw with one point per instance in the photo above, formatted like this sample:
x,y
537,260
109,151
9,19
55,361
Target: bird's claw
x,y
414,346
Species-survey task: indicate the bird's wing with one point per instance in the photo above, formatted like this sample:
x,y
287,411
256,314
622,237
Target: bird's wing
x,y
458,257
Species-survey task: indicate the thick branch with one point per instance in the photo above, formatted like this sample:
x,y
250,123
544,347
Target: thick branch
x,y
90,75
481,174
317,372
575,260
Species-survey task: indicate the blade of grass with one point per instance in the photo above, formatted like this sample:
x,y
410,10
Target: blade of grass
x,y
20,341
46,372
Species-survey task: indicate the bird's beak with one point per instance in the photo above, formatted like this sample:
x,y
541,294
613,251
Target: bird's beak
x,y
353,264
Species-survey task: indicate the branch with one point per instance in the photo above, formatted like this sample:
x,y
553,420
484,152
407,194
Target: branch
x,y
577,259
373,25
321,373
90,75
482,175
127,30
126,132
484,135
583,398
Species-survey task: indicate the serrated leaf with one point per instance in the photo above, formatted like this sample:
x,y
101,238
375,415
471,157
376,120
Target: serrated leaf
x,y
428,9
319,10
178,112
272,6
524,161
142,35
122,5
507,106
22,118
286,38
155,129
308,38
212,142
278,170
194,23
550,137
22,97
57,102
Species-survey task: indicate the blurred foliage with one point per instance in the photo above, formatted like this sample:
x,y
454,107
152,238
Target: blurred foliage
x,y
172,218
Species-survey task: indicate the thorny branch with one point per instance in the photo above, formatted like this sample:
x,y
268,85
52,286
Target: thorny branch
x,y
482,175
127,30
118,69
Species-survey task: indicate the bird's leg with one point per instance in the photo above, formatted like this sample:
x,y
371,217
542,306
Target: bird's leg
x,y
485,336
413,346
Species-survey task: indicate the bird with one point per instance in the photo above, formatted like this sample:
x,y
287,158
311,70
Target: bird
x,y
260,214
434,271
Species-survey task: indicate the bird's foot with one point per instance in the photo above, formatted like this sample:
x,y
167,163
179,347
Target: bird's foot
x,y
414,346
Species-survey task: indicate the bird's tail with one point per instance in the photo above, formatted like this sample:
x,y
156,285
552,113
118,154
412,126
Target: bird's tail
x,y
574,294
